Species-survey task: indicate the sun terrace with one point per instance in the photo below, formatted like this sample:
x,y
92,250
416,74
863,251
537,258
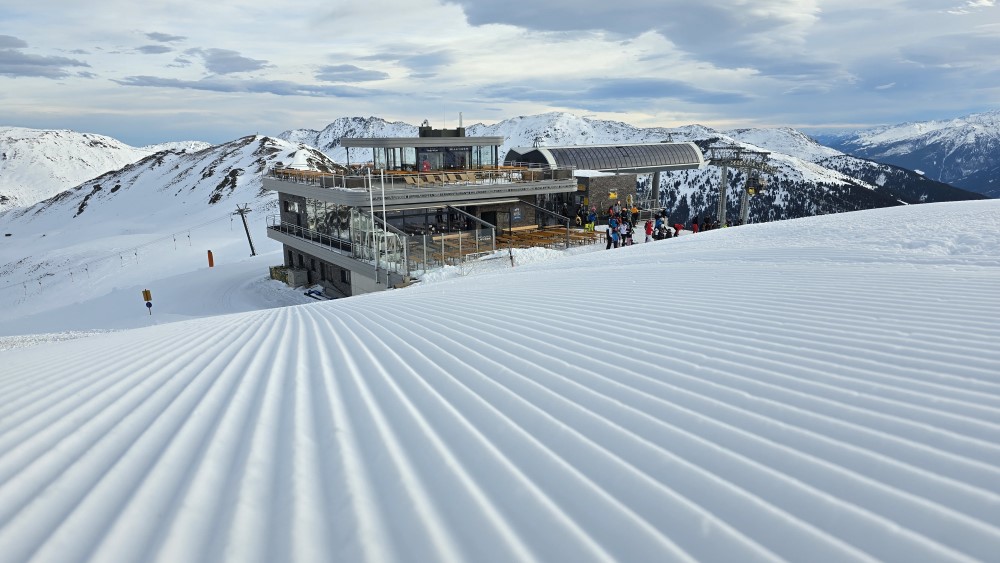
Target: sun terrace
x,y
409,204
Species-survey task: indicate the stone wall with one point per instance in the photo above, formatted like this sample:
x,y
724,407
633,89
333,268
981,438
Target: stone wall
x,y
600,188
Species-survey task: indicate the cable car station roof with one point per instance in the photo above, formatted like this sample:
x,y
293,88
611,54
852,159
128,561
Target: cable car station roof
x,y
633,158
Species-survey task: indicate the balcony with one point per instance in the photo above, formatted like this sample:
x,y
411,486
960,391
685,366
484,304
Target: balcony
x,y
384,247
396,189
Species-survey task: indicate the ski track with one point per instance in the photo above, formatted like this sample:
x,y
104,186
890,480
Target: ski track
x,y
690,414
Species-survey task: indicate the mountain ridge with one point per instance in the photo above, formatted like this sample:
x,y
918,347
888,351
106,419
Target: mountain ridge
x,y
805,186
963,152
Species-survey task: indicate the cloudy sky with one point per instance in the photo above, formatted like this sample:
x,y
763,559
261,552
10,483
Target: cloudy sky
x,y
146,72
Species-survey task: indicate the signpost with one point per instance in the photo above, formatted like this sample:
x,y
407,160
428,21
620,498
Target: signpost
x,y
147,296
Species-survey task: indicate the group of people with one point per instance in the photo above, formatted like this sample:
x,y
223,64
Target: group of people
x,y
621,226
619,233
706,225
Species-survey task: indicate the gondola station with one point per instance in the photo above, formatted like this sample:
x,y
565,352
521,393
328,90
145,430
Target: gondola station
x,y
437,199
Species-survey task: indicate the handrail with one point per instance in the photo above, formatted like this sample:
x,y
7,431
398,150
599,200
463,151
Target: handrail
x,y
390,227
473,217
275,222
362,251
398,179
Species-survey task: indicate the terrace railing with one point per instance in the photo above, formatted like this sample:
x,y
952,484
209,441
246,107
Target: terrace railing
x,y
396,179
388,249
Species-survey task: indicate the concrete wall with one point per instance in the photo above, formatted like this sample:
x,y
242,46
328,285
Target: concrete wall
x,y
502,210
362,283
328,275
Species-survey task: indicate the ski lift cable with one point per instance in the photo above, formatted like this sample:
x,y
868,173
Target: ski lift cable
x,y
133,249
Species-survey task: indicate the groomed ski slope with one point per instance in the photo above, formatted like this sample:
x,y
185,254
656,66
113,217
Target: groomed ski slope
x,y
824,389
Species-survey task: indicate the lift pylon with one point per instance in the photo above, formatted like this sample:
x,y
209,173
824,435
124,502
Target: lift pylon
x,y
753,162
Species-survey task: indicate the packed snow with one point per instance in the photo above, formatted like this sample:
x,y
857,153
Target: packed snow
x,y
820,389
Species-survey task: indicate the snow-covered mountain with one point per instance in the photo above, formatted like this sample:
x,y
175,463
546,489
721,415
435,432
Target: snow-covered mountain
x,y
151,206
177,146
963,152
806,184
167,182
36,164
328,139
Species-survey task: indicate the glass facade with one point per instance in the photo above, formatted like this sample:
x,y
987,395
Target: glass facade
x,y
444,158
328,218
484,157
426,159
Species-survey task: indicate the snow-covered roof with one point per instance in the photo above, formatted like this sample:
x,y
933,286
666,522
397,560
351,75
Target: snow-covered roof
x,y
822,389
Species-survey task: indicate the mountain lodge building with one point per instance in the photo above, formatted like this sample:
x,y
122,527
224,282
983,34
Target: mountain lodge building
x,y
439,199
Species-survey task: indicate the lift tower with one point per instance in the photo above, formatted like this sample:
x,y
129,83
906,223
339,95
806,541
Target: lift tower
x,y
734,156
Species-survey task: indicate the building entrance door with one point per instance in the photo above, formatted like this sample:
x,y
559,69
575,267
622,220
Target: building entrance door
x,y
489,216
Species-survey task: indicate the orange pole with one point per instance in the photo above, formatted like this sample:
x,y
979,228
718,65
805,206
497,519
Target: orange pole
x,y
211,261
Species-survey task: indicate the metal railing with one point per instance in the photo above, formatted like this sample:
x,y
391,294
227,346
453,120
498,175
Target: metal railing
x,y
343,245
386,248
397,180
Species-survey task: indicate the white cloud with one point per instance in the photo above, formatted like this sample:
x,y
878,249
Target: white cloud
x,y
777,59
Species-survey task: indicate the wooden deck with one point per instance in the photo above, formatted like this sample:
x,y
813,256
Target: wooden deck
x,y
549,237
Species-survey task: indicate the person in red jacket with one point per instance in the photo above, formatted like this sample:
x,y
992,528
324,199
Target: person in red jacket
x,y
649,230
694,224
677,229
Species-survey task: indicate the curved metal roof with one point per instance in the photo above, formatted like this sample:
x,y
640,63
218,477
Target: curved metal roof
x,y
645,157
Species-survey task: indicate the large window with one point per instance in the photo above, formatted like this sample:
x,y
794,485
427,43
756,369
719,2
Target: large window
x,y
482,157
328,218
430,159
395,158
444,158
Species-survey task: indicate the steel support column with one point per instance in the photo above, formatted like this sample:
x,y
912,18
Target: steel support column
x,y
723,185
655,194
744,207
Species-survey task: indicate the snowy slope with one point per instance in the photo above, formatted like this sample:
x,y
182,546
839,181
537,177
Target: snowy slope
x,y
153,219
823,389
36,164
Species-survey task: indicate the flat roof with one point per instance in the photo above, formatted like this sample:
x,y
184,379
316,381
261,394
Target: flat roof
x,y
406,142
